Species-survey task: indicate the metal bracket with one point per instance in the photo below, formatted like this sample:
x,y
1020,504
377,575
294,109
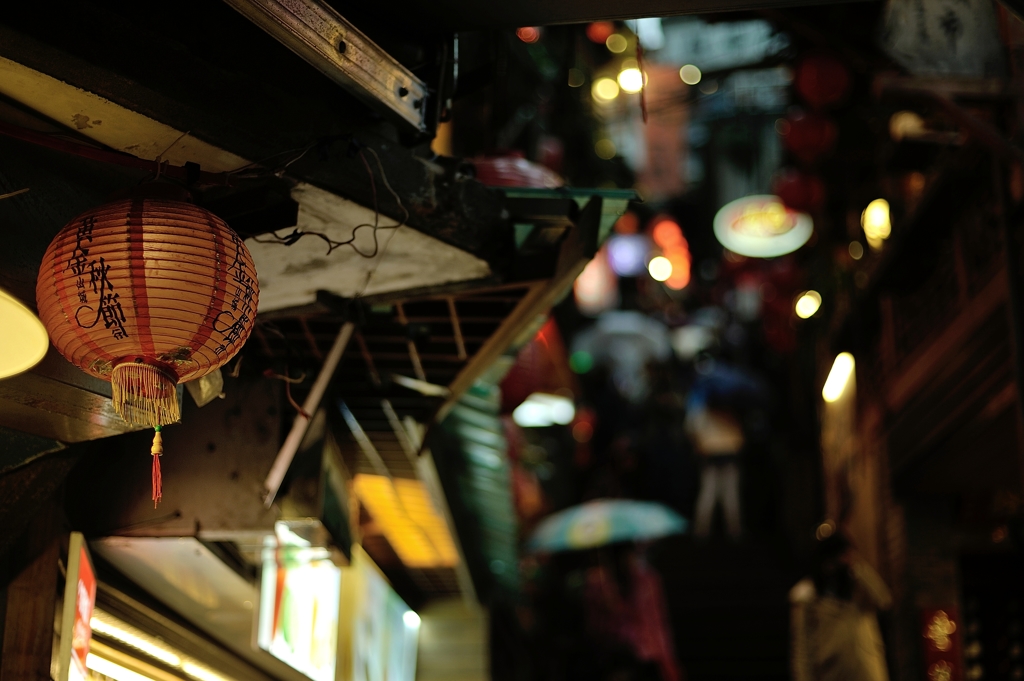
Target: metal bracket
x,y
340,51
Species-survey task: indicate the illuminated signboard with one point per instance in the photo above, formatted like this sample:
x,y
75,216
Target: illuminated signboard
x,y
299,601
384,631
761,227
79,600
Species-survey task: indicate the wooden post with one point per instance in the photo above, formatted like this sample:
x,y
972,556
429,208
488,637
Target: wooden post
x,y
31,599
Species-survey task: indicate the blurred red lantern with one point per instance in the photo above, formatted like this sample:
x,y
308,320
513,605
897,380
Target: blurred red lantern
x,y
513,170
528,34
821,80
147,293
809,135
799,190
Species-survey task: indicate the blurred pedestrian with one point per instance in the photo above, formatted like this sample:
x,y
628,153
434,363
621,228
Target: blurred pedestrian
x,y
835,634
626,606
718,439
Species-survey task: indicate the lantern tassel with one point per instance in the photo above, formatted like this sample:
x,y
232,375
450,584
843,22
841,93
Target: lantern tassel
x,y
158,481
143,395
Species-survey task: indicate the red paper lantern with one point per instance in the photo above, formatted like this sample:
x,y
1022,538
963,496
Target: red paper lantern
x,y
809,136
147,293
512,170
821,80
799,190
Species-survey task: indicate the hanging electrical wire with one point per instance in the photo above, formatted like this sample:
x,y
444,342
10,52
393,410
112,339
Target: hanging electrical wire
x,y
297,234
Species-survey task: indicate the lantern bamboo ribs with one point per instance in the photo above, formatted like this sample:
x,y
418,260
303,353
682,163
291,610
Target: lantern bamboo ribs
x,y
164,287
147,293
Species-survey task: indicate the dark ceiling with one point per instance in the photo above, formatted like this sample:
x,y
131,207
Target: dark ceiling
x,y
463,15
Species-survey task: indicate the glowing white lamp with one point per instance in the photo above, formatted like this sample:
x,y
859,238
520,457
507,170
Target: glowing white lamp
x,y
23,342
838,377
411,619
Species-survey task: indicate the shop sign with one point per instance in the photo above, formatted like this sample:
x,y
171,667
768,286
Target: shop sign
x,y
79,600
299,601
761,227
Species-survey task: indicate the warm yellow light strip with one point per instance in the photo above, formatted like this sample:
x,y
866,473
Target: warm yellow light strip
x,y
410,523
112,670
835,384
106,625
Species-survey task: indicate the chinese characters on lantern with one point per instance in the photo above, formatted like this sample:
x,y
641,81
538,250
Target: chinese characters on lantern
x,y
232,324
109,305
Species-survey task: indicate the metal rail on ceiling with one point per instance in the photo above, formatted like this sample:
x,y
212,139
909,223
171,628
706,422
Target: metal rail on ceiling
x,y
341,52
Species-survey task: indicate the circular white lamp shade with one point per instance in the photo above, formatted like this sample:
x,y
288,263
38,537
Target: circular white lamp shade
x,y
23,341
761,227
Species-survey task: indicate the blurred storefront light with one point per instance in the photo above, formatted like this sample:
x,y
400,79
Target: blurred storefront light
x,y
604,89
528,34
667,234
110,670
807,304
408,520
690,74
581,362
616,43
631,80
906,124
627,254
597,287
140,642
681,263
838,377
660,268
411,619
856,250
540,410
103,624
576,77
605,149
876,224
599,31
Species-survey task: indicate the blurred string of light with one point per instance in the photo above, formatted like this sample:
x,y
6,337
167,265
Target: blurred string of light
x,y
675,250
876,223
807,304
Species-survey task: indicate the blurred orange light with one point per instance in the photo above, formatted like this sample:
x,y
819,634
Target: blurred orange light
x,y
528,34
598,31
667,234
680,259
629,223
408,520
582,432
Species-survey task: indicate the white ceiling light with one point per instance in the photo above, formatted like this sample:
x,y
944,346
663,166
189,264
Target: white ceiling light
x,y
761,227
